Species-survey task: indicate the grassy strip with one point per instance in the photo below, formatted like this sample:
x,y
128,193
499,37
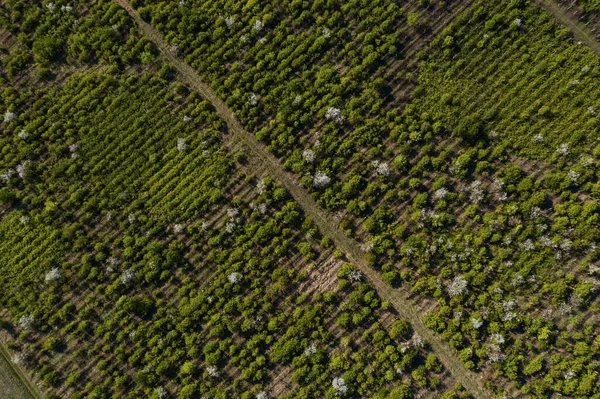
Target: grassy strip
x,y
13,382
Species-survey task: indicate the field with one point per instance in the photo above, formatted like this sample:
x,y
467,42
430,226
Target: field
x,y
12,385
300,199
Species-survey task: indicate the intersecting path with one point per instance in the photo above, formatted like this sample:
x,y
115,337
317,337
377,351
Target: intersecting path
x,y
579,31
261,158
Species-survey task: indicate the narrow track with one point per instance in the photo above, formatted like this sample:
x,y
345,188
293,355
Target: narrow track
x,y
260,158
580,32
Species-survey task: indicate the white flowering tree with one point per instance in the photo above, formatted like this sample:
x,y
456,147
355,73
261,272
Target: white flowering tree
x,y
334,114
212,371
339,385
258,25
457,286
52,275
309,155
25,322
126,276
181,144
9,116
321,180
234,278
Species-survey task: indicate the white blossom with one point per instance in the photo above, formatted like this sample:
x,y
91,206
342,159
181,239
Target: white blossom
x,y
440,193
456,167
585,69
326,33
566,245
243,39
334,114
181,145
321,179
161,392
229,21
22,169
262,395
494,353
127,276
26,321
51,7
297,99
309,155
507,306
574,176
564,309
367,247
563,149
212,371
52,275
417,341
24,219
497,338
230,226
258,25
528,245
232,212
181,3
591,111
569,374
234,278
517,22
381,168
310,350
131,218
477,193
457,286
7,175
535,213
66,8
262,40
261,186
476,323
587,161
23,135
355,275
177,228
517,280
339,385
538,139
18,359
187,118
253,99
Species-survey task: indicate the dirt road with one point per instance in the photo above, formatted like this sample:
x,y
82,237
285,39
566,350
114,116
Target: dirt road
x,y
261,158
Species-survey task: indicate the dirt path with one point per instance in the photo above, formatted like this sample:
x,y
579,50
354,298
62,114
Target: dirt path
x,y
13,383
563,17
260,158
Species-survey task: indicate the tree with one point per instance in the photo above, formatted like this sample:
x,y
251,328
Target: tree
x,y
138,305
469,129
